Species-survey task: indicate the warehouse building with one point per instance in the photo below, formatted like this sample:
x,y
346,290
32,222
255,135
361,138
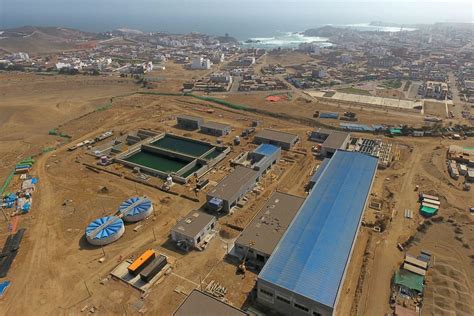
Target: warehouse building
x,y
231,189
330,140
215,129
202,304
189,122
306,271
258,240
244,177
193,230
277,138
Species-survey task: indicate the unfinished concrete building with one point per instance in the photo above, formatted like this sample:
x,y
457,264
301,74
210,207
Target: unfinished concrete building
x,y
246,174
278,138
189,122
215,129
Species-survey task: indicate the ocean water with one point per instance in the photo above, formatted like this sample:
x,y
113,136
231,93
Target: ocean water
x,y
285,40
273,21
369,27
293,39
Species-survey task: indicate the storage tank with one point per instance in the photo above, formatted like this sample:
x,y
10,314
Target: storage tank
x,y
135,209
104,230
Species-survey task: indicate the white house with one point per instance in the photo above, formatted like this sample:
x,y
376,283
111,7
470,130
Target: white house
x,y
201,63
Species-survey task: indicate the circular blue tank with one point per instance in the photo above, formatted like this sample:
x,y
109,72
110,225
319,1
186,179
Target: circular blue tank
x,y
104,230
135,209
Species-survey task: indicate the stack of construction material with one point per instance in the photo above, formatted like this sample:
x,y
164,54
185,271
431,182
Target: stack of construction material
x,y
429,204
216,289
24,166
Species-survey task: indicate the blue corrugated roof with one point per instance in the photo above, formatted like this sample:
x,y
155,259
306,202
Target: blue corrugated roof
x,y
266,149
312,256
320,170
143,206
107,231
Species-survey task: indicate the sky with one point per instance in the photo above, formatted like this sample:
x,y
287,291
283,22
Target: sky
x,y
239,17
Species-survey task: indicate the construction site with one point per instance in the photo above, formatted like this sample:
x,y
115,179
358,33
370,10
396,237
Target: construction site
x,y
163,204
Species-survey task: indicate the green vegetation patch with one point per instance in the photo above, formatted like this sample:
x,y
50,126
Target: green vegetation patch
x,y
392,84
353,90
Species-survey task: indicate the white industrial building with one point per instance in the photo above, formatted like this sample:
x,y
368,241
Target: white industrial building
x,y
192,231
201,63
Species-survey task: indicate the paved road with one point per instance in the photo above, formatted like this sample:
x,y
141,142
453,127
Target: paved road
x,y
235,84
458,103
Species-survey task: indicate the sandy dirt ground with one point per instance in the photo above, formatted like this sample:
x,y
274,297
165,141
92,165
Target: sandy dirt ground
x,y
301,107
60,273
436,108
425,166
287,58
67,200
31,105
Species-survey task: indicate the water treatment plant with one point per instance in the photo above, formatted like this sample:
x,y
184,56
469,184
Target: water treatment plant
x,y
104,230
108,229
136,209
177,156
251,222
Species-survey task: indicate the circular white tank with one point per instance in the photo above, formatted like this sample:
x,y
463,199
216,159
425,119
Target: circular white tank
x,y
104,230
136,209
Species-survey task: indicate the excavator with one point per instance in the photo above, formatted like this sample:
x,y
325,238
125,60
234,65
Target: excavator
x,y
241,267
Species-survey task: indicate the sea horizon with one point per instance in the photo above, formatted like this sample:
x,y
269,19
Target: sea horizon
x,y
274,39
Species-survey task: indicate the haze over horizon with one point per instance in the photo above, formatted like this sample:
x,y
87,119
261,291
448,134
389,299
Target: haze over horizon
x,y
241,19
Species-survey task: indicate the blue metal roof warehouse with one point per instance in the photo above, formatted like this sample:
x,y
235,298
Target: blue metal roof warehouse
x,y
311,258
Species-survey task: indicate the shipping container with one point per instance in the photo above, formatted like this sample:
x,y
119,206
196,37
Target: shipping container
x,y
436,207
416,262
141,262
430,201
329,115
431,197
414,269
153,268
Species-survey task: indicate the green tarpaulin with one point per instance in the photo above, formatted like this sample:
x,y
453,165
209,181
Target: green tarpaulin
x,y
409,280
428,211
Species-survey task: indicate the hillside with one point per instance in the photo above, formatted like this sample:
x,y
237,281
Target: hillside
x,y
33,39
325,31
